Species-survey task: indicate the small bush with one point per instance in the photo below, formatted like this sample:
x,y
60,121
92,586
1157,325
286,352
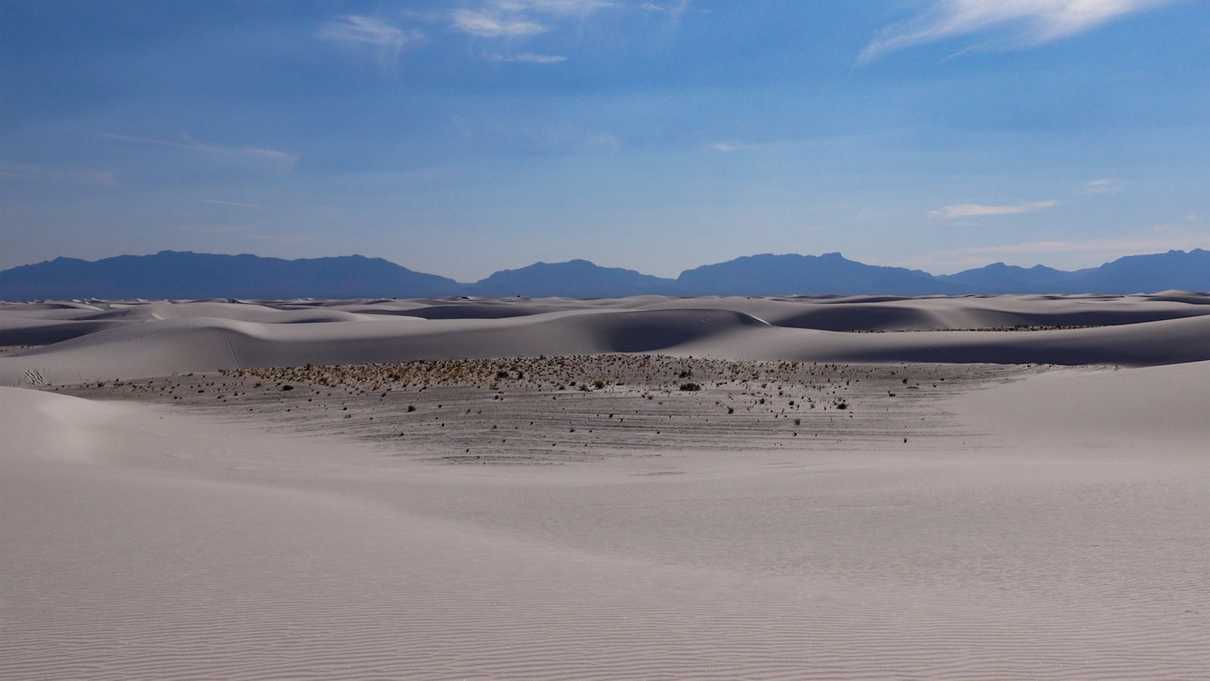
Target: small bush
x,y
690,387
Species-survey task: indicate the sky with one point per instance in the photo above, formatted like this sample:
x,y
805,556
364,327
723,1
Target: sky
x,y
467,136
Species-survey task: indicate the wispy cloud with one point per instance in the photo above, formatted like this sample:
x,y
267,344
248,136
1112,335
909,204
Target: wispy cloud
x,y
260,155
555,7
960,211
42,173
1030,22
520,18
1105,185
527,58
487,25
674,9
385,40
730,147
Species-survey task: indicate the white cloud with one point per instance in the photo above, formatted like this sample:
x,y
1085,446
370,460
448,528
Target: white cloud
x,y
490,25
425,16
1105,185
520,18
369,33
361,29
527,58
260,155
675,9
730,147
961,211
553,7
1033,21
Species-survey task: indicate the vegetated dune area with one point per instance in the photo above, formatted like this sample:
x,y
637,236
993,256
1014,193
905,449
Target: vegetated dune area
x,y
650,488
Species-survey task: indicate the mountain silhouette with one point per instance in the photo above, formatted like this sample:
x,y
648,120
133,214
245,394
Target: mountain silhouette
x,y
1174,270
177,274
573,279
768,274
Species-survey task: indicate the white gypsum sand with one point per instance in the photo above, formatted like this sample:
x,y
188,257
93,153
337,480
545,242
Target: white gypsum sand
x,y
1036,524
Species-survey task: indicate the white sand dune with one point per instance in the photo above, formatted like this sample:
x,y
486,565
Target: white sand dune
x,y
1067,541
73,343
1152,343
886,313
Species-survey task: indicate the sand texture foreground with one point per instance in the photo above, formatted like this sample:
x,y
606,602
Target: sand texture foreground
x,y
174,507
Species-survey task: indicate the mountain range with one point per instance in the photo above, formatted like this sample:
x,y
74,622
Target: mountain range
x,y
177,274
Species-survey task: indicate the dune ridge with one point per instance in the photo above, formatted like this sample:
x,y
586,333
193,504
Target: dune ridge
x,y
64,344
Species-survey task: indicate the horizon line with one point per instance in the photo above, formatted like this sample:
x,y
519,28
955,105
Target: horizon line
x,y
591,262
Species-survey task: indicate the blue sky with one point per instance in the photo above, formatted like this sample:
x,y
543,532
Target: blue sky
x,y
462,137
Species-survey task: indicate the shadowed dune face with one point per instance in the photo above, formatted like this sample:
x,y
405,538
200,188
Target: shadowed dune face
x,y
71,342
482,311
47,332
658,330
860,317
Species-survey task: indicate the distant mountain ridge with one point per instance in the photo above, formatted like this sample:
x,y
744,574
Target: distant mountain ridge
x,y
184,274
769,274
571,279
1174,270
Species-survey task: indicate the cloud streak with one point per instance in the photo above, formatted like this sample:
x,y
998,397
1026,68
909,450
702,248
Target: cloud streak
x,y
554,7
520,18
1105,185
1031,22
527,58
675,9
259,155
961,211
730,147
361,32
485,24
